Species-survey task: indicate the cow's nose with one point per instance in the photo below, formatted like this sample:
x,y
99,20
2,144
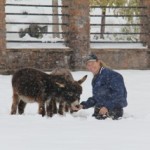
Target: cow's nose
x,y
78,106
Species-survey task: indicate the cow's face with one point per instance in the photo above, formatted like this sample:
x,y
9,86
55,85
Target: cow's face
x,y
72,91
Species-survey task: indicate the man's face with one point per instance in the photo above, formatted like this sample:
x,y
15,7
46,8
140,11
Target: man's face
x,y
93,66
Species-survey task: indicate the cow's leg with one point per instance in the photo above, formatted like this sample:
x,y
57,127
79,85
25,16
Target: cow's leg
x,y
51,107
41,107
14,103
61,107
48,109
21,107
54,106
66,107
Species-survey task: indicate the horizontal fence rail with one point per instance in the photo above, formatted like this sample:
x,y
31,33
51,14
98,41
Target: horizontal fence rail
x,y
27,41
119,16
36,14
39,23
126,7
119,24
118,33
29,5
42,32
115,42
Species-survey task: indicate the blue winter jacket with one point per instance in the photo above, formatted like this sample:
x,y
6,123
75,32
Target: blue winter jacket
x,y
108,91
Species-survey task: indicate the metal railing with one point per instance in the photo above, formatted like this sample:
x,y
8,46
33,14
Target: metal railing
x,y
117,25
21,23
110,35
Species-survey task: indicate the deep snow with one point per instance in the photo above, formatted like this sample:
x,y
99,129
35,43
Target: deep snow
x,y
79,131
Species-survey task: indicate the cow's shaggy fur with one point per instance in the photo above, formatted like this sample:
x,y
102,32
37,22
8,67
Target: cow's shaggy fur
x,y
32,85
63,106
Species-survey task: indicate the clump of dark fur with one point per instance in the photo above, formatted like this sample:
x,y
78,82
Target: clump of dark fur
x,y
63,106
32,85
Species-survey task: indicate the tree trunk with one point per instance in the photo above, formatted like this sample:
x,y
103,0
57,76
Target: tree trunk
x,y
103,23
55,28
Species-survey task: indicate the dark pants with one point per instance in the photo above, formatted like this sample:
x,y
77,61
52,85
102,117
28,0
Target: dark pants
x,y
114,114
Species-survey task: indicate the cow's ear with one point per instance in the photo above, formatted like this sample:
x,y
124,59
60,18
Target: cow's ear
x,y
60,85
82,80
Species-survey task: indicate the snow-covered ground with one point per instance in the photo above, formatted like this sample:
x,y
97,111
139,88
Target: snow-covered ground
x,y
79,131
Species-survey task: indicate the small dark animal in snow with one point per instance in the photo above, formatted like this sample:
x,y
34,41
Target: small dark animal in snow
x,y
32,85
34,30
63,106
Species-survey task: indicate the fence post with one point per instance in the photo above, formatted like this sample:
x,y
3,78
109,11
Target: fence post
x,y
146,20
79,31
65,18
2,35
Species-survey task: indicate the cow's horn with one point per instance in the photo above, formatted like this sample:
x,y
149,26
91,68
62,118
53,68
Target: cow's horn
x,y
60,85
